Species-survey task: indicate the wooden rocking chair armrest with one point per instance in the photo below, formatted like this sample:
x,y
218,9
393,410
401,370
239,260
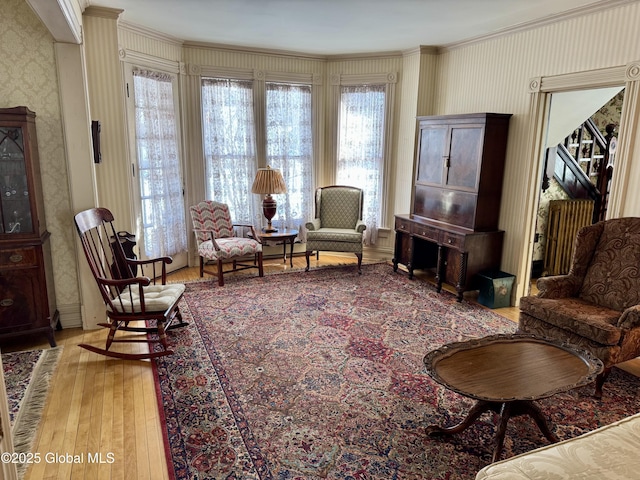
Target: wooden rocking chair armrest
x,y
125,282
162,274
166,260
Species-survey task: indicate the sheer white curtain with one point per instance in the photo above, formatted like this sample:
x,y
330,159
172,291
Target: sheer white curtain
x,y
159,172
230,146
290,150
361,148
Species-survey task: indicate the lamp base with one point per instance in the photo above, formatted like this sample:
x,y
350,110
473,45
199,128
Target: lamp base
x,y
269,211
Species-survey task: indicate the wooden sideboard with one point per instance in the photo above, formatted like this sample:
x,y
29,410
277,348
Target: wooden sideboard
x,y
455,205
456,254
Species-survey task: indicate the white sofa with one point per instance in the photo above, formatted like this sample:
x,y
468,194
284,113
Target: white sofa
x,y
611,452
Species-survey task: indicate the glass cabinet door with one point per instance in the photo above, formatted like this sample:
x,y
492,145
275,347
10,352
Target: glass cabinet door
x,y
15,214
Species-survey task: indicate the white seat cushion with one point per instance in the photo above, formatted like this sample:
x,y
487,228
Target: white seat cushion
x,y
157,298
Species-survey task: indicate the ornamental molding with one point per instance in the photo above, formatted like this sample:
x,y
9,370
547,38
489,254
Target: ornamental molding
x,y
632,73
144,60
364,79
600,78
534,84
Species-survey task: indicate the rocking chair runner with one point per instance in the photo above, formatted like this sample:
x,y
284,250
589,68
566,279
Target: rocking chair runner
x,y
128,298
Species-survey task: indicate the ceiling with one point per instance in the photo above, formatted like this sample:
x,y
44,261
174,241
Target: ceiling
x,y
334,27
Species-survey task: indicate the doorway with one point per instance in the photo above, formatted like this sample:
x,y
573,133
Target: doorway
x,y
578,164
624,199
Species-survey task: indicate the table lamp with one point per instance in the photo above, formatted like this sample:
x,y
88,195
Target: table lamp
x,y
268,181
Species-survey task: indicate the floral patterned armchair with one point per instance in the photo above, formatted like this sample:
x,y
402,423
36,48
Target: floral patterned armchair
x,y
216,240
596,306
338,225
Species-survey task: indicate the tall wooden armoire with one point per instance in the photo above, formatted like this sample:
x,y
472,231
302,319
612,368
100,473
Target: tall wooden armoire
x,y
458,173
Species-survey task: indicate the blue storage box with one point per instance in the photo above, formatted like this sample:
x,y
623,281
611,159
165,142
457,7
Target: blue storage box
x,y
495,288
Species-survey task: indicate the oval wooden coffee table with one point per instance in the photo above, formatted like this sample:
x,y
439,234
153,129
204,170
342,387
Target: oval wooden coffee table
x,y
506,374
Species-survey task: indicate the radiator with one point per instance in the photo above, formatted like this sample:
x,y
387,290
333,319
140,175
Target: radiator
x,y
566,217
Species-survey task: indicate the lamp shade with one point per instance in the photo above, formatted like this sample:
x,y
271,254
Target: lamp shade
x,y
268,181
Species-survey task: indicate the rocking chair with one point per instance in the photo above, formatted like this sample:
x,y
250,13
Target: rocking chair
x,y
128,298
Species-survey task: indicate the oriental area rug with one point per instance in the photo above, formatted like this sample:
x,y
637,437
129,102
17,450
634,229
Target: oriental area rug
x,y
320,375
27,376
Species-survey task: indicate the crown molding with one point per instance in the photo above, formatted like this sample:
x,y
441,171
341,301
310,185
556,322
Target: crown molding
x,y
364,56
149,33
290,53
595,7
103,12
253,50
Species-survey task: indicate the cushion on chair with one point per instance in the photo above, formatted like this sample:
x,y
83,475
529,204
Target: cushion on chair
x,y
334,235
336,209
157,298
613,277
591,321
609,354
229,247
335,239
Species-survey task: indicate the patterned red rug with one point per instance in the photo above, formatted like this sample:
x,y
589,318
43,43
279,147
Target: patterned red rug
x,y
319,375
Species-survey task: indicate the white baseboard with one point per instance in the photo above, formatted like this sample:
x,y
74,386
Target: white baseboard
x,y
70,315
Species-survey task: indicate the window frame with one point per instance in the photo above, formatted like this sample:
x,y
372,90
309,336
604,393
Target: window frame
x,y
129,61
389,80
259,79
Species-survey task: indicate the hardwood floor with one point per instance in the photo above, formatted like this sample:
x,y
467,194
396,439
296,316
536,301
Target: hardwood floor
x,y
99,405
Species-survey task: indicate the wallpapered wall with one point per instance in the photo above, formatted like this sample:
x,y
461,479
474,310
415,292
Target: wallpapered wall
x,y
28,77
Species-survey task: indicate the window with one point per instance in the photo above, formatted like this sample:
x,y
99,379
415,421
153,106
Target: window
x,y
159,171
233,111
363,106
290,147
361,145
230,145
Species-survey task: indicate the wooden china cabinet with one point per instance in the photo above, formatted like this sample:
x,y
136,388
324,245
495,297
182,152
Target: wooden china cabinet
x,y
27,296
453,224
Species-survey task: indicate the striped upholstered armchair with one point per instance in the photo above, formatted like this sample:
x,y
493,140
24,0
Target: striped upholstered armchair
x,y
338,225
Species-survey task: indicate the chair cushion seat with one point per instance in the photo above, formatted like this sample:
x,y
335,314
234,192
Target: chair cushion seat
x,y
335,240
335,235
157,298
229,247
586,319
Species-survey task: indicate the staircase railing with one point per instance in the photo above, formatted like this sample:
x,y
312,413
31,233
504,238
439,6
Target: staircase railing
x,y
574,180
584,170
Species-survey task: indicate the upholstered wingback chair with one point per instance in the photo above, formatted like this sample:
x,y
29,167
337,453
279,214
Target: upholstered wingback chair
x,y
216,240
338,225
596,306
